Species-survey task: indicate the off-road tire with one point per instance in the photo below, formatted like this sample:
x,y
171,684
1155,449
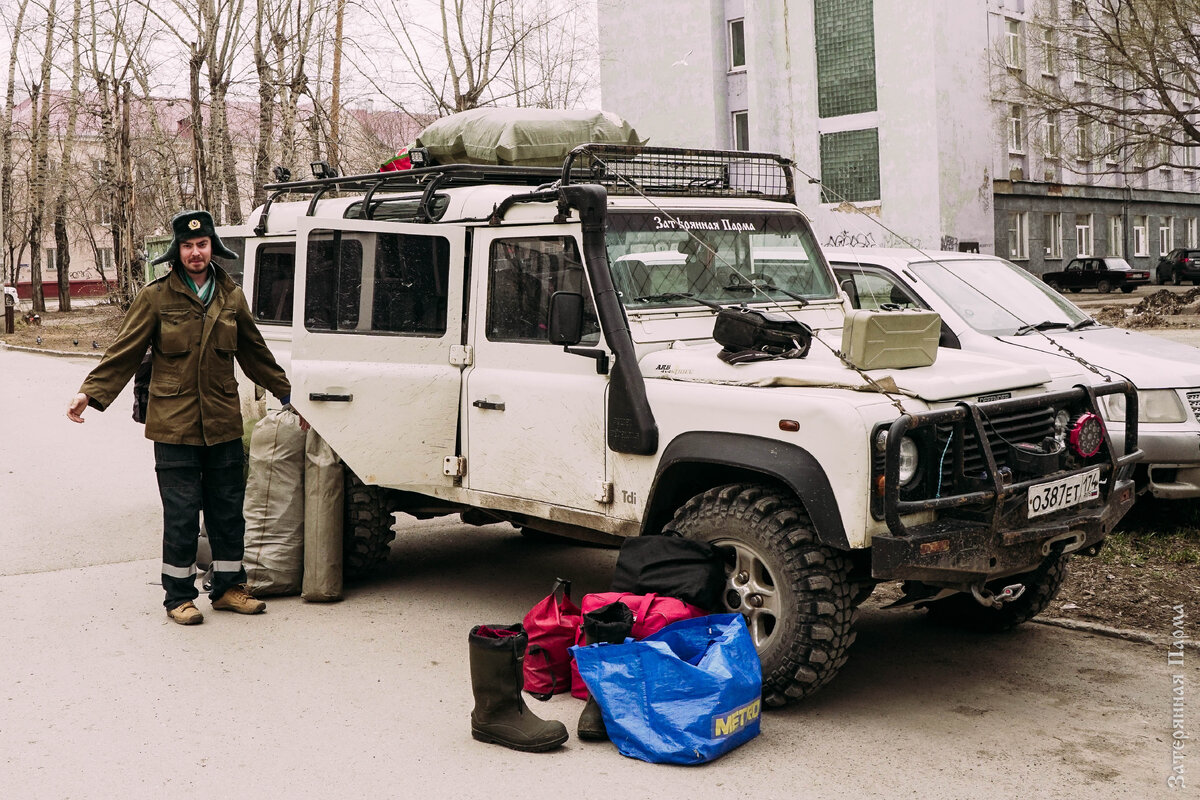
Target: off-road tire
x,y
1104,287
802,628
1041,587
367,527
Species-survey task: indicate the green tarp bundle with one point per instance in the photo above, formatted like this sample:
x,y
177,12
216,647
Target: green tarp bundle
x,y
532,137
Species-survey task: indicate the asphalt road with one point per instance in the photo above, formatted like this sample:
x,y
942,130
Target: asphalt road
x,y
102,697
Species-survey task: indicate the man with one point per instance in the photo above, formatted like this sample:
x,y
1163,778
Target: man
x,y
196,321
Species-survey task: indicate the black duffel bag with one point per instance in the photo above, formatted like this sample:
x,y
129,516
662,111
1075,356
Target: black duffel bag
x,y
672,566
752,334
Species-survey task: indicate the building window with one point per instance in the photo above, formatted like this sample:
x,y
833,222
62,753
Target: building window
x,y
1166,235
850,166
1049,58
1054,236
1116,237
49,262
844,32
1193,240
1016,129
1191,157
104,260
1112,143
1083,235
1053,142
1018,235
1012,44
741,130
1079,56
737,44
1077,8
1083,139
1141,236
104,214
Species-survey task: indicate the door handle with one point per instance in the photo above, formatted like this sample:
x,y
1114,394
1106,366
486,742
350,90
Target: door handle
x,y
325,397
494,405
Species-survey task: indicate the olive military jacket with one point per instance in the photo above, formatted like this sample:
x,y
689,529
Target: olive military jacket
x,y
193,390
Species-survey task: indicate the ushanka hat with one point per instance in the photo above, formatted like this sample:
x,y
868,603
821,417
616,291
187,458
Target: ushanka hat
x,y
192,225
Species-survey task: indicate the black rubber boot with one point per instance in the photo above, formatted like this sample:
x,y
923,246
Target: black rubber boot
x,y
612,624
500,714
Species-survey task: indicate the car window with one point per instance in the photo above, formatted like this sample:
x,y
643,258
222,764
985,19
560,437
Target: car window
x,y
524,274
995,297
1074,266
870,289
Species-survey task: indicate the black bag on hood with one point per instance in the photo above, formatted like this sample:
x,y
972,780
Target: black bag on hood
x,y
673,567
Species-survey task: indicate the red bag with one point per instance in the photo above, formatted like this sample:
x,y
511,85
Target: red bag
x,y
650,614
552,626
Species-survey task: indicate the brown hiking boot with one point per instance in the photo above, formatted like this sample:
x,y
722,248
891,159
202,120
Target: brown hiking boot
x,y
236,598
186,614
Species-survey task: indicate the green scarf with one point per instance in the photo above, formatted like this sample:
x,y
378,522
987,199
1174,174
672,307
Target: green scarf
x,y
210,286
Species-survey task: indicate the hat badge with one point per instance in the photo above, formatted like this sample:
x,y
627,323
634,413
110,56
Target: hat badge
x,y
194,225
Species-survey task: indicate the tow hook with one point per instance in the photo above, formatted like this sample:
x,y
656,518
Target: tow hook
x,y
1006,595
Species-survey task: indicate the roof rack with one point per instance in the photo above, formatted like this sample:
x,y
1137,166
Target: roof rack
x,y
622,169
634,170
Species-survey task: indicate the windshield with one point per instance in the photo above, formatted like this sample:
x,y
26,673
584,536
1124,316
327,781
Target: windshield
x,y
996,297
680,258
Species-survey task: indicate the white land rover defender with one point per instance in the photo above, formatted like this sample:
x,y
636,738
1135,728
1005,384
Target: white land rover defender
x,y
535,345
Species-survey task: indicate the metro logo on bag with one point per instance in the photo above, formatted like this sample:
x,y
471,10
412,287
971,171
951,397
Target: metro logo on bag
x,y
731,723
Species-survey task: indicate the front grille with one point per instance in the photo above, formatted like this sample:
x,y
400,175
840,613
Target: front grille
x,y
1194,402
1002,430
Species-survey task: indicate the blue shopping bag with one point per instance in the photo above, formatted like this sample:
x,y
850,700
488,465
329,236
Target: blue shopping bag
x,y
685,695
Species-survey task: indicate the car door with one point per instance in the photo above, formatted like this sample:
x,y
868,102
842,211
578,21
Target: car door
x,y
535,415
374,363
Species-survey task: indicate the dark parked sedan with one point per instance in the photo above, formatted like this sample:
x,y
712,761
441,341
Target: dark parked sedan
x,y
1178,266
1101,274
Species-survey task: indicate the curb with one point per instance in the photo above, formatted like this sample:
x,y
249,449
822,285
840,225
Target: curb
x,y
60,353
1105,630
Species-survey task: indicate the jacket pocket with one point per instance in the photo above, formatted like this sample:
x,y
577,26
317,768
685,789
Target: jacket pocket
x,y
225,333
174,332
164,388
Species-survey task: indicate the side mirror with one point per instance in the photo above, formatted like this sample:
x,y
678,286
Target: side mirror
x,y
566,318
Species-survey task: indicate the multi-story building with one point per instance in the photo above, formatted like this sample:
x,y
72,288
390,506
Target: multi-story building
x,y
902,113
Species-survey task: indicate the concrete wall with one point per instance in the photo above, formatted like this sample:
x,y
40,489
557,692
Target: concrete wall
x,y
672,104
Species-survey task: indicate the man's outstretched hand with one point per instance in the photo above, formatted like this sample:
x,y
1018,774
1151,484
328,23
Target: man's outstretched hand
x,y
76,407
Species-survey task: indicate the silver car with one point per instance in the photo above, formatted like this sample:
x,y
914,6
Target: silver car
x,y
990,305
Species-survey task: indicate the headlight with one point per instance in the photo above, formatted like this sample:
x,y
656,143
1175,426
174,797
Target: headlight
x,y
1154,405
908,461
909,456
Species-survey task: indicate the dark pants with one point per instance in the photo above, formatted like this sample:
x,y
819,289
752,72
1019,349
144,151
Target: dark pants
x,y
191,479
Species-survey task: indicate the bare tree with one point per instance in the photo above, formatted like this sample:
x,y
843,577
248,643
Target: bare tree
x,y
62,240
460,54
213,42
39,178
1114,80
8,229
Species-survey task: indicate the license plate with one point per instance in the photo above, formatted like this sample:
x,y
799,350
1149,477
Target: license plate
x,y
1046,498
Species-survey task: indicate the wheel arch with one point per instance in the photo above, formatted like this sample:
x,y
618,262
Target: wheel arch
x,y
700,460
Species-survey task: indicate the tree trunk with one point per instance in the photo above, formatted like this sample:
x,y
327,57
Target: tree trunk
x,y
62,241
7,227
199,157
335,101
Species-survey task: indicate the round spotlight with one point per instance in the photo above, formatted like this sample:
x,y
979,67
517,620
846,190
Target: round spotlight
x,y
1087,434
909,461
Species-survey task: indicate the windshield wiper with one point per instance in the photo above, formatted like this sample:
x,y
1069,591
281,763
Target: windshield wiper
x,y
1083,323
1044,325
666,297
750,287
